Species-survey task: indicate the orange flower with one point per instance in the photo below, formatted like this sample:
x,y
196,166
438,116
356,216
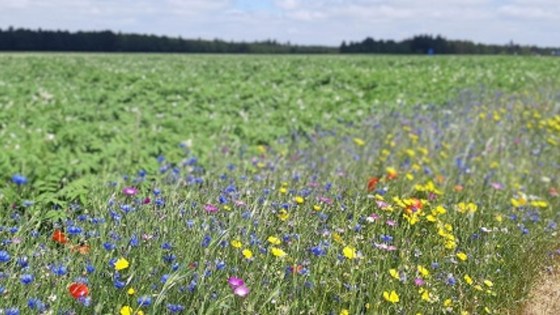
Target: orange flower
x,y
81,249
458,188
59,237
372,183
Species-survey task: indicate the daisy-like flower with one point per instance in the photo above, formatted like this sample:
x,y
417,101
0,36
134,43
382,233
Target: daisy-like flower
x,y
247,253
121,264
391,297
349,252
274,240
278,252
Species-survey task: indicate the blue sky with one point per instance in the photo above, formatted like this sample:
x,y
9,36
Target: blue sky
x,y
327,22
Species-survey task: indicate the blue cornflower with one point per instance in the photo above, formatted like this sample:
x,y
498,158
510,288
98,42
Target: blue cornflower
x,y
169,258
318,251
19,179
12,311
175,308
206,240
450,280
36,305
118,283
59,270
85,300
74,230
134,241
26,278
167,246
220,265
164,278
386,238
144,301
109,246
23,261
90,268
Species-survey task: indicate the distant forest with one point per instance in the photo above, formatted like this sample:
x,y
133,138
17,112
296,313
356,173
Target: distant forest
x,y
107,41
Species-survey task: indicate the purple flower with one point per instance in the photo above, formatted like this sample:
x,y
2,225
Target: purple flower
x,y
130,191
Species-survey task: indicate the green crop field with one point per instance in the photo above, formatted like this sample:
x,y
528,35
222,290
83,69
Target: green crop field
x,y
155,184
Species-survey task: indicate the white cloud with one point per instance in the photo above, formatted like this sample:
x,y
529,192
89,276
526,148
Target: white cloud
x,y
298,21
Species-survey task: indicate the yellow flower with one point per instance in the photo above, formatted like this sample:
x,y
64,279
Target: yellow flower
x,y
394,273
283,190
470,207
283,215
236,244
349,252
344,312
488,283
392,296
391,172
337,238
278,252
423,271
126,310
299,200
131,291
317,207
425,295
247,253
274,240
448,303
121,264
468,279
359,142
462,256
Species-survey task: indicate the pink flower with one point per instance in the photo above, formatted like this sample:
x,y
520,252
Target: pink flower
x,y
130,191
241,291
210,208
419,282
235,282
147,200
238,286
391,223
381,204
497,186
326,200
386,247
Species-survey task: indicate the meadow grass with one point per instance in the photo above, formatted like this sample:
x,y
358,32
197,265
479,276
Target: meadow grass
x,y
434,209
459,216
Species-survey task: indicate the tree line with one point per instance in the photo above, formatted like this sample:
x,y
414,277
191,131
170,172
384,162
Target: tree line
x,y
428,44
107,41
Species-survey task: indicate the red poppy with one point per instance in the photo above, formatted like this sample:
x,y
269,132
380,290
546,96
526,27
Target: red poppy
x,y
372,183
78,290
59,237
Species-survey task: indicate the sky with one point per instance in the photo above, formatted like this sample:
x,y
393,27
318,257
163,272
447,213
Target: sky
x,y
323,22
